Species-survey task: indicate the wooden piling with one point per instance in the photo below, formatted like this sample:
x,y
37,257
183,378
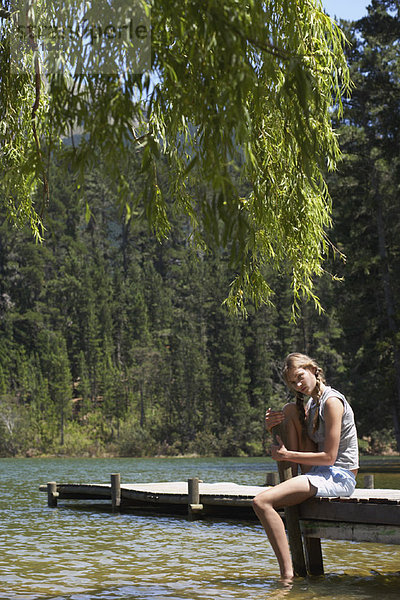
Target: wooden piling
x,y
313,552
272,478
293,530
194,506
115,491
368,482
52,494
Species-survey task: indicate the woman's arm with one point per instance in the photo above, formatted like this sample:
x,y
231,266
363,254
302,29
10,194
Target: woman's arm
x,y
333,423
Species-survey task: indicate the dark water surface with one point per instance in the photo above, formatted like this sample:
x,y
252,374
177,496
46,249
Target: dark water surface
x,y
65,553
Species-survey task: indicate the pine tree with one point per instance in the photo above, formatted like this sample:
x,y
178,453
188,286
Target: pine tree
x,y
367,217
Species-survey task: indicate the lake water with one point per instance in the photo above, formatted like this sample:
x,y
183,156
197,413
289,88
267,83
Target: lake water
x,y
65,553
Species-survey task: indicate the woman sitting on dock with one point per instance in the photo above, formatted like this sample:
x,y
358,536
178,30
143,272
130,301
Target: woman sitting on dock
x,y
321,437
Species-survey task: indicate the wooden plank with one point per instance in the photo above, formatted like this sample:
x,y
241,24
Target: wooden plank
x,y
225,500
83,491
165,498
224,489
379,514
354,532
177,492
382,494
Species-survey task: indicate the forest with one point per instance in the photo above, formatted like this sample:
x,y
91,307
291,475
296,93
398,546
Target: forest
x,y
116,343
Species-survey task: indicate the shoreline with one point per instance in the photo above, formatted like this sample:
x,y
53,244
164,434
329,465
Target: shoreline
x,y
365,459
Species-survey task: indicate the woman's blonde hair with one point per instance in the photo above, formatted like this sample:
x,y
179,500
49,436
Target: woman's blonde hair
x,y
297,360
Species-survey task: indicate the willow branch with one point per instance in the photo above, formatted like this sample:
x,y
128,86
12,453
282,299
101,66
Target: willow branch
x,y
38,84
334,248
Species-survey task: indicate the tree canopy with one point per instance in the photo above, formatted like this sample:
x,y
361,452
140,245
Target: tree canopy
x,y
235,91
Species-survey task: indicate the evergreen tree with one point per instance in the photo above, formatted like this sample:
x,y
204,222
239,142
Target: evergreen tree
x,y
367,216
55,366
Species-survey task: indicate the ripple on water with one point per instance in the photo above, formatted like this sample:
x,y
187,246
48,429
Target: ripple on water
x,y
70,554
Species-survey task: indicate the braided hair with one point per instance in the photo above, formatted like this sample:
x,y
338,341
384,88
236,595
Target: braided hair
x,y
298,360
318,386
302,413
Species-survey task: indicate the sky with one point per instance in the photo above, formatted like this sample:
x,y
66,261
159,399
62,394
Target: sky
x,y
351,10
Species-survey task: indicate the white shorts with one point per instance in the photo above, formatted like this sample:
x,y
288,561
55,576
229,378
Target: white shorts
x,y
331,481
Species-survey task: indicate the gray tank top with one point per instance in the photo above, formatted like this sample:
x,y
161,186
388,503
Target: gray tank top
x,y
347,456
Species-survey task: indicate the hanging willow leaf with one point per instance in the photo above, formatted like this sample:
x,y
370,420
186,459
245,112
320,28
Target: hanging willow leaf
x,y
234,87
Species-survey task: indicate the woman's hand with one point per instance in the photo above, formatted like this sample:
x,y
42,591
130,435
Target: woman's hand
x,y
279,452
273,417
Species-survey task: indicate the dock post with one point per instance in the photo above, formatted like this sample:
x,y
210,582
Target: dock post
x,y
194,506
292,516
272,478
52,494
115,491
369,482
313,550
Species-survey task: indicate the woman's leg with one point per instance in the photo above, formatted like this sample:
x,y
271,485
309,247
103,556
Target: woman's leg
x,y
290,492
295,438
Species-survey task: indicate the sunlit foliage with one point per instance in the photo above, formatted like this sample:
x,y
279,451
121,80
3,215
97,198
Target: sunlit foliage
x,y
237,85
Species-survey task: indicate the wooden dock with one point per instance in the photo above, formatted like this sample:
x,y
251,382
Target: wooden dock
x,y
369,515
